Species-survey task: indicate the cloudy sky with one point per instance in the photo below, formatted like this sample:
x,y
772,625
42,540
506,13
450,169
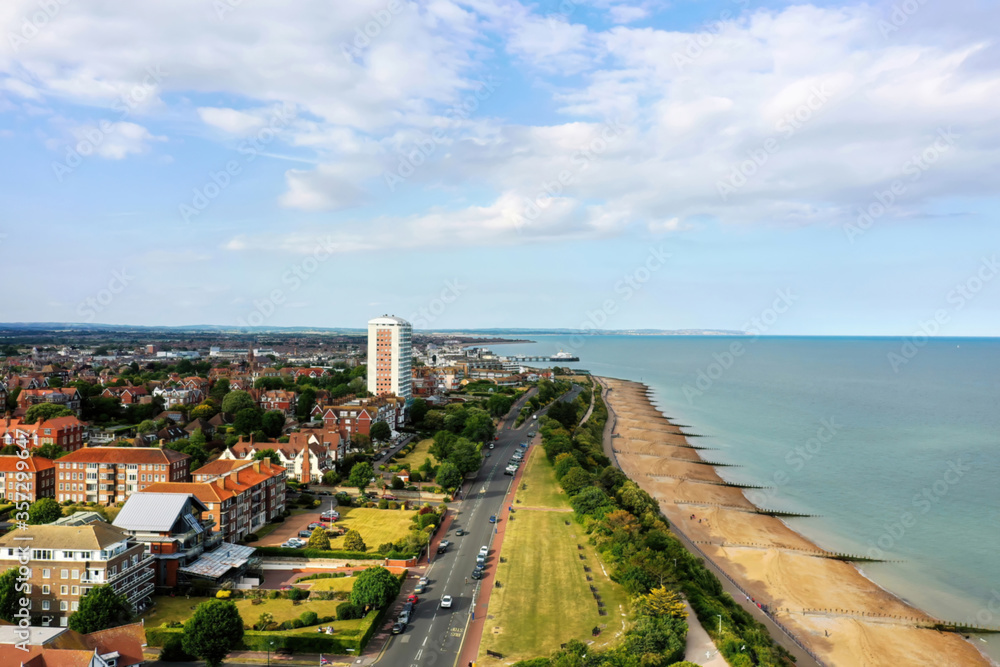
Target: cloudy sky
x,y
493,163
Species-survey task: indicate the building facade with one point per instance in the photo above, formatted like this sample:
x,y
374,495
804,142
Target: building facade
x,y
390,356
108,475
66,432
28,479
65,562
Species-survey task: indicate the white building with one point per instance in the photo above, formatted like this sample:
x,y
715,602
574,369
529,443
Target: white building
x,y
390,357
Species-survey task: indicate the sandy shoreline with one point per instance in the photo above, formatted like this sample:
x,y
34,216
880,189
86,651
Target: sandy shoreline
x,y
865,625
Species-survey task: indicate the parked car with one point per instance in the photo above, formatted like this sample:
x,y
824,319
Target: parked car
x,y
477,574
419,588
480,564
408,607
388,496
493,518
509,471
423,581
398,628
305,533
446,602
315,524
404,617
412,598
491,445
531,434
484,550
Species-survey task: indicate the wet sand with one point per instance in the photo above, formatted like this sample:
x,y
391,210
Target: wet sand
x,y
860,623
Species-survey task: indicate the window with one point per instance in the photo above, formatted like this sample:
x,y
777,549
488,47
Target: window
x,y
63,605
46,605
75,606
76,590
64,575
45,589
46,573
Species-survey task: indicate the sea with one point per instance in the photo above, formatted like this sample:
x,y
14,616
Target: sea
x,y
892,444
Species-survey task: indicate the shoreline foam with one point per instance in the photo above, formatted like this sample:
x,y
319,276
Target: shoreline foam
x,y
864,624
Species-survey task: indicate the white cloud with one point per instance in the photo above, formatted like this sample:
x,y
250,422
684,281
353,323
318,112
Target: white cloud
x,y
115,141
231,120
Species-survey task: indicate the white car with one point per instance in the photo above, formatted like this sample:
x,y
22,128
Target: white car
x,y
423,581
446,602
484,550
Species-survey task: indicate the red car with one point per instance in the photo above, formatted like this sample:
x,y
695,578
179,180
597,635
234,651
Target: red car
x,y
388,496
412,598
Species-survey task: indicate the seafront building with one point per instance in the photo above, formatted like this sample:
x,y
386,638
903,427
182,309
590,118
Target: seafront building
x,y
38,478
107,475
67,561
390,356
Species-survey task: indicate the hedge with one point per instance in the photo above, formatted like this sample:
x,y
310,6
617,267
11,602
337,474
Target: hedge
x,y
317,553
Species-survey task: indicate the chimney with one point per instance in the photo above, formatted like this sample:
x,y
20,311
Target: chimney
x,y
251,439
221,482
162,441
256,465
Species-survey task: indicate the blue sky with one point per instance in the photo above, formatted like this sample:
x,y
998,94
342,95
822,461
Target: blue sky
x,y
493,163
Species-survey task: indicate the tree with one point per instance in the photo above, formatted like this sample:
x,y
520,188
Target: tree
x,y
219,391
499,404
273,422
353,542
563,412
264,621
380,432
361,476
146,426
331,478
374,588
418,409
304,404
43,411
12,398
575,481
236,401
465,456
8,595
268,454
203,410
49,450
362,442
478,426
100,609
320,540
663,602
44,510
397,483
247,420
197,439
213,631
448,476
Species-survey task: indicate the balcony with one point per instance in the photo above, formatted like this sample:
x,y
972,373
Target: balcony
x,y
144,561
140,593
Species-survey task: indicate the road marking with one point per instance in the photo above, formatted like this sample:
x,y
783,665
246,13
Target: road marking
x,y
425,642
417,656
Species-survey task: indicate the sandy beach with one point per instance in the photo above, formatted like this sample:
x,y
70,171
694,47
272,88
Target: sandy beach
x,y
861,624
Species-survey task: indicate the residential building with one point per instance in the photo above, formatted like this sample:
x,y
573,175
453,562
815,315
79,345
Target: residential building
x,y
108,475
390,357
67,397
128,394
177,533
306,456
241,496
67,432
177,396
28,479
278,399
65,562
121,646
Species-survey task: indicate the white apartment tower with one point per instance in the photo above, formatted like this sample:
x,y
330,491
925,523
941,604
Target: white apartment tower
x,y
390,357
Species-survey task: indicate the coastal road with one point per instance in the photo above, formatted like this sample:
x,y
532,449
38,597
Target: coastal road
x,y
434,636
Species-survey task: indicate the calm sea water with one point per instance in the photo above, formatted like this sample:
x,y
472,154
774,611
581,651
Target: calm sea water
x,y
898,462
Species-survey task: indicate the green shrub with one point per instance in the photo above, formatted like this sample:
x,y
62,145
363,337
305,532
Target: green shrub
x,y
309,618
173,651
298,594
347,611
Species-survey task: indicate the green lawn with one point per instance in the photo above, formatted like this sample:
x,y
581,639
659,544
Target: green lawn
x,y
416,457
538,487
170,609
544,599
341,584
376,526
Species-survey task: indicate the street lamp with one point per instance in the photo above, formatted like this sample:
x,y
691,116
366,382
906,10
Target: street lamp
x,y
270,645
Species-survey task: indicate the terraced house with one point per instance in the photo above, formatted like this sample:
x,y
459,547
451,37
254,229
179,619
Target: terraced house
x,y
67,561
108,475
67,432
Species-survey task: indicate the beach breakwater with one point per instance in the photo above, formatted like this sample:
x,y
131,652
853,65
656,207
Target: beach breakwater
x,y
827,604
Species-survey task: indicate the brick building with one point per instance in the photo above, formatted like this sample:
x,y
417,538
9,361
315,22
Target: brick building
x,y
108,475
67,432
38,481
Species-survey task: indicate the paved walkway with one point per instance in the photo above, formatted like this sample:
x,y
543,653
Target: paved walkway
x,y
701,649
